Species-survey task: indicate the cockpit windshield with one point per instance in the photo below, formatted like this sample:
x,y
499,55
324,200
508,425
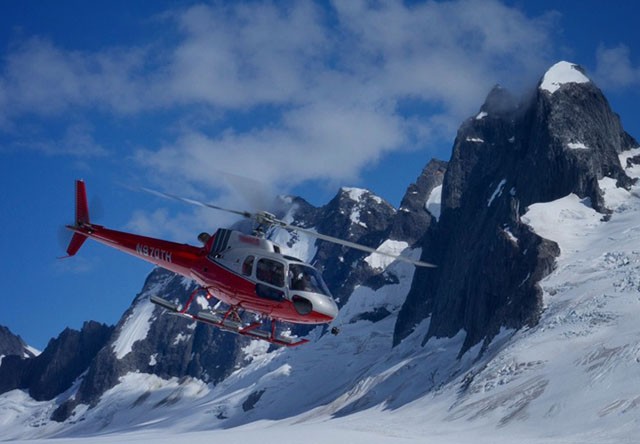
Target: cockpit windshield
x,y
304,278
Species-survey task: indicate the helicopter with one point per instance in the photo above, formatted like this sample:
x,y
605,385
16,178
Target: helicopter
x,y
243,273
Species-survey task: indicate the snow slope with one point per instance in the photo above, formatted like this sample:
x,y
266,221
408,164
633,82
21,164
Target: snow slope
x,y
573,378
135,328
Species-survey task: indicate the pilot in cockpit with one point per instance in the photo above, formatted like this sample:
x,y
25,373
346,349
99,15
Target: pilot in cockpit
x,y
300,280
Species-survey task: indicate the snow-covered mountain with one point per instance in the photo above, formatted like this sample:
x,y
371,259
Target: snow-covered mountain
x,y
561,139
527,331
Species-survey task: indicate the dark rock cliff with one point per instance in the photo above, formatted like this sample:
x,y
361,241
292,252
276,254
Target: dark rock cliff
x,y
413,218
58,366
512,154
11,344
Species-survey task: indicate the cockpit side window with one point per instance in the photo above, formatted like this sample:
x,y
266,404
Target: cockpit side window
x,y
305,278
247,265
271,272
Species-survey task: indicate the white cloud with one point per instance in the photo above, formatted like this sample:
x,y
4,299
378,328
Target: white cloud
x,y
244,55
449,52
318,141
336,89
41,78
331,78
184,227
77,141
614,68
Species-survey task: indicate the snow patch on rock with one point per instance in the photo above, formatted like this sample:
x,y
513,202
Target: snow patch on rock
x,y
577,146
32,350
434,202
296,244
357,194
497,192
381,261
632,171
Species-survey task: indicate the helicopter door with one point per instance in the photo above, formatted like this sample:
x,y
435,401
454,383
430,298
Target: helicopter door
x,y
270,275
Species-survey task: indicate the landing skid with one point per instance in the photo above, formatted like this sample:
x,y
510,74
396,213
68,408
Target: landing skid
x,y
230,321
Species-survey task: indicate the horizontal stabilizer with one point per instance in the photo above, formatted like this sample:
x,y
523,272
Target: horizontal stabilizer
x,y
76,242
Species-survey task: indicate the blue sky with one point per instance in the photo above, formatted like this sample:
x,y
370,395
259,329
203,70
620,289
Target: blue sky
x,y
300,97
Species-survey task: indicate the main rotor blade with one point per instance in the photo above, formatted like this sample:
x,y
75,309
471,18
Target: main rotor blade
x,y
197,203
356,246
269,219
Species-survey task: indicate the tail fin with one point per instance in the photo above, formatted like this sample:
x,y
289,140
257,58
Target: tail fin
x,y
82,218
82,209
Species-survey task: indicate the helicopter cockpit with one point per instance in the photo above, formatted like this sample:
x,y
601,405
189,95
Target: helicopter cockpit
x,y
305,278
277,277
299,276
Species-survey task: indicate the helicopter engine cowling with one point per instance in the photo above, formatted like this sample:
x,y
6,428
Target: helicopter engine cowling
x,y
302,305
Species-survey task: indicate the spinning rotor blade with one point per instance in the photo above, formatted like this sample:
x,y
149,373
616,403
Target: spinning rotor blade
x,y
197,203
264,217
356,246
261,217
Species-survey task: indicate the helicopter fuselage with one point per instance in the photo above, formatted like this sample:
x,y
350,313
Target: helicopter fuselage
x,y
243,271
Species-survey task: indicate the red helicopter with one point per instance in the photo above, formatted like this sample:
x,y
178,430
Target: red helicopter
x,y
247,273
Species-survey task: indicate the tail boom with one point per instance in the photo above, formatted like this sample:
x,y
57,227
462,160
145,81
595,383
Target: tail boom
x,y
179,258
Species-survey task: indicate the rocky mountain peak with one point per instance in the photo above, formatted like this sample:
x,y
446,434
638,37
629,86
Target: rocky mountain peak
x,y
500,101
361,206
579,139
561,140
11,344
421,204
